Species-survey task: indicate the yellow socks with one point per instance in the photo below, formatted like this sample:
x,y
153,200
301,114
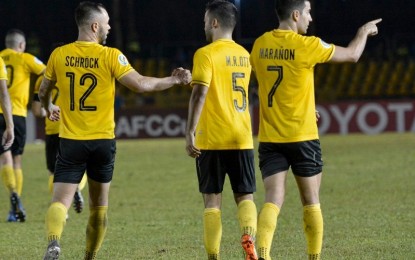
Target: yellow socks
x,y
55,221
95,231
267,223
212,225
82,184
18,173
247,216
313,229
9,179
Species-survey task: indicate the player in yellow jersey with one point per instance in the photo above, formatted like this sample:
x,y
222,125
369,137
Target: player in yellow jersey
x,y
20,65
52,144
6,107
218,132
85,72
283,61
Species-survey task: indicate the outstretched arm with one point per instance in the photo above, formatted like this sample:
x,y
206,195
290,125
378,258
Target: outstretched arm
x,y
354,50
140,84
196,103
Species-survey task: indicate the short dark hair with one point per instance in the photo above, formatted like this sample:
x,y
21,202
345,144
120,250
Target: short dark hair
x,y
14,37
85,11
284,8
224,11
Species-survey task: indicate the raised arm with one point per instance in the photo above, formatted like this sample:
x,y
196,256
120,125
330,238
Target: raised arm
x,y
141,84
354,50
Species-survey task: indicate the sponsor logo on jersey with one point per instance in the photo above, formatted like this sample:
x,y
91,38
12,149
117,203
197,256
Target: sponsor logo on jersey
x,y
325,44
122,60
38,61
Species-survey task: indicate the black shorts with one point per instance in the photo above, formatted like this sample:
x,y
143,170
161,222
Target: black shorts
x,y
96,157
51,148
213,165
303,157
19,142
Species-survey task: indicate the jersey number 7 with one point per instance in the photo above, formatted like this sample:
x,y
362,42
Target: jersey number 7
x,y
276,84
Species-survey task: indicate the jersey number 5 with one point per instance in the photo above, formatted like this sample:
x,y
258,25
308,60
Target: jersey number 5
x,y
276,84
86,77
235,87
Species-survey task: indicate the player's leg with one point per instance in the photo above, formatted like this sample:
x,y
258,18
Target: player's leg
x,y
7,172
307,171
274,167
56,217
17,150
241,171
212,224
312,215
78,199
11,171
51,152
97,221
70,166
247,216
274,186
100,167
18,173
211,178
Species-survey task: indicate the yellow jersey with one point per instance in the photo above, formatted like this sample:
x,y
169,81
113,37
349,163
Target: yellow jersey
x,y
85,73
225,122
284,63
19,67
3,70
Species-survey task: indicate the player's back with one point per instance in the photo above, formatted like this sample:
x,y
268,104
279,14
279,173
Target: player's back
x,y
225,121
284,64
85,73
19,67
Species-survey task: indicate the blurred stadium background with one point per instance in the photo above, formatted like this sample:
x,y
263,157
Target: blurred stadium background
x,y
375,95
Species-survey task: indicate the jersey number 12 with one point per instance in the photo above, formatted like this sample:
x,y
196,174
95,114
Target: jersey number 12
x,y
84,78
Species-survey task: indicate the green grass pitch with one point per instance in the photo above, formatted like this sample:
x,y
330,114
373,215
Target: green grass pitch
x,y
155,212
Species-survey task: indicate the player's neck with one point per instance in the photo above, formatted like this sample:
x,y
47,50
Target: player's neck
x,y
288,26
87,37
222,35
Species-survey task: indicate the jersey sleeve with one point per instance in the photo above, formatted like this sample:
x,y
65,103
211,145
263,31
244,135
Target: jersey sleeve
x,y
50,68
319,51
202,69
36,88
119,63
34,65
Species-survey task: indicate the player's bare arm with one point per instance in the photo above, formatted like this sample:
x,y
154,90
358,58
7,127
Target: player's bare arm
x,y
52,111
196,103
354,50
141,84
8,135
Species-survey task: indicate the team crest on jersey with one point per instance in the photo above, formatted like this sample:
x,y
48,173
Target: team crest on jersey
x,y
122,60
325,44
38,61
